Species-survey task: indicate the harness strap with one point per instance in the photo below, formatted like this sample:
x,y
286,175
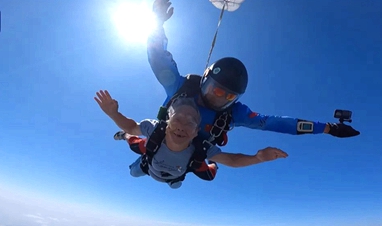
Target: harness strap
x,y
156,138
200,154
218,132
153,144
190,88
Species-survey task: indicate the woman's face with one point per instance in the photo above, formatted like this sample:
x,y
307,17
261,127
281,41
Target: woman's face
x,y
183,125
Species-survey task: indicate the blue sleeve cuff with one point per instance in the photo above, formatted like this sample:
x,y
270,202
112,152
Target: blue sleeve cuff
x,y
319,127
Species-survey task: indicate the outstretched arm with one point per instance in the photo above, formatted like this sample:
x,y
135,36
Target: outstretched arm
x,y
161,61
243,116
241,160
110,107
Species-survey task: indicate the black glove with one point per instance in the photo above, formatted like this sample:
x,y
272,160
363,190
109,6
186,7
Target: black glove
x,y
342,130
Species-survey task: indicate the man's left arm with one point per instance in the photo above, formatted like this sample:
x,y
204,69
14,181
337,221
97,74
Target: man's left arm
x,y
242,160
243,116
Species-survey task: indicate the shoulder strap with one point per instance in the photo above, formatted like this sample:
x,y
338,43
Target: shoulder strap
x,y
200,153
190,87
153,144
156,138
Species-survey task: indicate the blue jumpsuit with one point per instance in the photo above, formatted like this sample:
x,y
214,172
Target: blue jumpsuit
x,y
166,72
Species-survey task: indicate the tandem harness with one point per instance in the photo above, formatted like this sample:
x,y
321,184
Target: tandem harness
x,y
154,142
191,88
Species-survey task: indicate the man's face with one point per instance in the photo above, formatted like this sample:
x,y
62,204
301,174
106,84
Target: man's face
x,y
183,125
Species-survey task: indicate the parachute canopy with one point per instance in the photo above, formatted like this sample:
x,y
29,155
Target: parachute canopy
x,y
229,5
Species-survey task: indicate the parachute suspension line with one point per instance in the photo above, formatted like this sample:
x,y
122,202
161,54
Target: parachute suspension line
x,y
216,33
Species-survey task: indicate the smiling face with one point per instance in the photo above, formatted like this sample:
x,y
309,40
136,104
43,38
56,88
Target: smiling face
x,y
183,126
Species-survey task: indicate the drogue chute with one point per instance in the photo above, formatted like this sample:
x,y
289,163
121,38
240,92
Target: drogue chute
x,y
229,5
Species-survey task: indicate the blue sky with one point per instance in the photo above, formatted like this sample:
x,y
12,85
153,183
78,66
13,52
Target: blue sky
x,y
305,59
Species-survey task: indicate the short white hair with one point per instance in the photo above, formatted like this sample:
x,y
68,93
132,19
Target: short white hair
x,y
184,101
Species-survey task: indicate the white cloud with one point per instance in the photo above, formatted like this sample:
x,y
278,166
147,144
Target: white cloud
x,y
53,219
16,209
34,216
27,209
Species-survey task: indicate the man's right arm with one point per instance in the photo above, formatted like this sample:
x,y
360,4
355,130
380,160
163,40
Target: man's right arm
x,y
162,63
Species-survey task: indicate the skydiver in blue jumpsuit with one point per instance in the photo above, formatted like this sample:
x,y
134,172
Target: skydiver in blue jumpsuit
x,y
221,86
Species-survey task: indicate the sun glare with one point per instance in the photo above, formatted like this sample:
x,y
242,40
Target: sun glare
x,y
133,21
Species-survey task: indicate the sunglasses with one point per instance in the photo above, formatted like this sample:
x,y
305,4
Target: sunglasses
x,y
219,92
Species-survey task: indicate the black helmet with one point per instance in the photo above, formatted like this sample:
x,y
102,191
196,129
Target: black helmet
x,y
227,76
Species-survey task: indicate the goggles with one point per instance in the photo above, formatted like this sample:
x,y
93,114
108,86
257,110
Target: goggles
x,y
219,92
223,96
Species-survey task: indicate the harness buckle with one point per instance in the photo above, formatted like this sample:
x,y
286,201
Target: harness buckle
x,y
219,126
209,144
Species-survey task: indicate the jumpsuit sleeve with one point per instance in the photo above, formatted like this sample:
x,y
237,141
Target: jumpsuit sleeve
x,y
243,116
162,63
